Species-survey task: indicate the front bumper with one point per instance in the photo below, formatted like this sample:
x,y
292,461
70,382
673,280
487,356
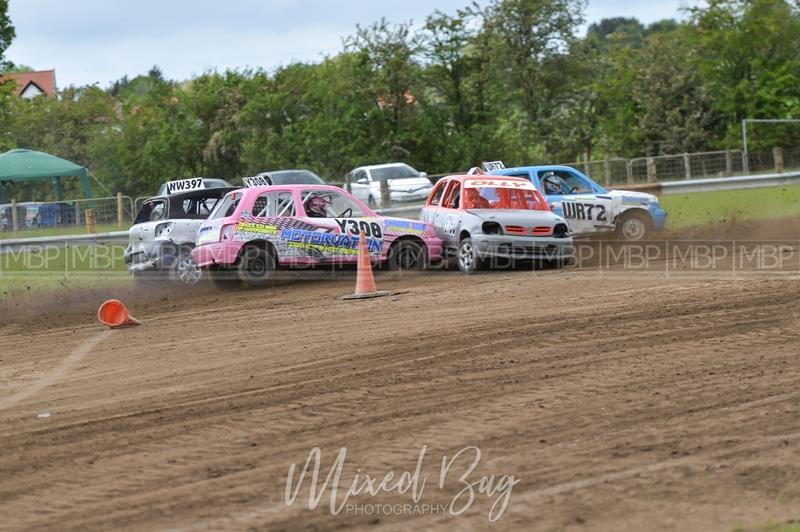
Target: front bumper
x,y
658,215
523,247
222,254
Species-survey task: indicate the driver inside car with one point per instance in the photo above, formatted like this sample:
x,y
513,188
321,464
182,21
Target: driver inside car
x,y
553,184
473,200
317,207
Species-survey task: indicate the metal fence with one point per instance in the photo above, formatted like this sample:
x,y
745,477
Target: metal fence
x,y
725,163
116,211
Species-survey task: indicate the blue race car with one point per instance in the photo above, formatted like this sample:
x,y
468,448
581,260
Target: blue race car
x,y
590,209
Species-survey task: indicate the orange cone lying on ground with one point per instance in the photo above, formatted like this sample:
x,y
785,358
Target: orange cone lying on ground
x,y
365,282
114,314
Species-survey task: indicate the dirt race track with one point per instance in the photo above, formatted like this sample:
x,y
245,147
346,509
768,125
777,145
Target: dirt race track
x,y
616,400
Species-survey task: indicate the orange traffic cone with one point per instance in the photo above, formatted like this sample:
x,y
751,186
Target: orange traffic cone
x,y
114,314
365,282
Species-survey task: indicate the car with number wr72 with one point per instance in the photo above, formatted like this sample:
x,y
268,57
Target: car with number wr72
x,y
591,209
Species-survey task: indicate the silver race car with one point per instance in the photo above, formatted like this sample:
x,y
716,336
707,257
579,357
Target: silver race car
x,y
163,234
504,219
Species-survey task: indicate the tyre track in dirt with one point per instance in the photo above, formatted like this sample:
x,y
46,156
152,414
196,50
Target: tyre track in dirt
x,y
168,441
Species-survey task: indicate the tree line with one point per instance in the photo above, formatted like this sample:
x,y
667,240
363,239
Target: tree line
x,y
510,80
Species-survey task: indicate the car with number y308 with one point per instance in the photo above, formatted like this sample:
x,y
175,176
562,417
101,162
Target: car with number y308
x,y
254,231
591,209
503,219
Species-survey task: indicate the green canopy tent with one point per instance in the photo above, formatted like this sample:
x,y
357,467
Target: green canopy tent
x,y
19,166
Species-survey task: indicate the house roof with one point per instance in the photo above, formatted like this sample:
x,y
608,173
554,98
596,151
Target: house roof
x,y
45,80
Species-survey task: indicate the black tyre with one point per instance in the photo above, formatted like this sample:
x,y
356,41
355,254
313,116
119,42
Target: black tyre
x,y
407,255
256,266
468,258
633,226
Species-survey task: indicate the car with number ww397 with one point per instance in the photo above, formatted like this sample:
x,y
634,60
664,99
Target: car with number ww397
x,y
503,219
254,231
591,209
163,234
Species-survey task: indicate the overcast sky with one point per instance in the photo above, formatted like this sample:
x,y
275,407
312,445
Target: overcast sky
x,y
99,41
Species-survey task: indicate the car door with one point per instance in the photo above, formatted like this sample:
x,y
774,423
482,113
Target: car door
x,y
447,218
578,202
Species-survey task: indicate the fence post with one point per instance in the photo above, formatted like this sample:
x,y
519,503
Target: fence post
x,y
386,197
687,167
14,216
777,157
77,213
629,171
728,163
651,170
606,170
347,186
91,221
119,209
586,163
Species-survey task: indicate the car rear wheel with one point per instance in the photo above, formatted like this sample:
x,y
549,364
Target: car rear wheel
x,y
468,259
633,226
185,268
256,266
407,255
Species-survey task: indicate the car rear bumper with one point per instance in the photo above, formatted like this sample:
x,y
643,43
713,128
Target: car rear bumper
x,y
523,247
217,254
150,256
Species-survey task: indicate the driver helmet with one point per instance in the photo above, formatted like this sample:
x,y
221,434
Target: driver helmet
x,y
317,207
551,183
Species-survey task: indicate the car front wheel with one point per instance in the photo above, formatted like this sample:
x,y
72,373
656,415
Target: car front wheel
x,y
633,226
468,259
407,255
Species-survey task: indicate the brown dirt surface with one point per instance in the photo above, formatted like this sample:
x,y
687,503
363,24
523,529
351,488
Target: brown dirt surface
x,y
619,400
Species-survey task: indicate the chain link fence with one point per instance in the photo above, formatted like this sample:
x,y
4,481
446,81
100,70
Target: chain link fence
x,y
112,213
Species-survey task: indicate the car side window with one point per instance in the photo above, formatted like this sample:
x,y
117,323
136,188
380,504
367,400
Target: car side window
x,y
436,195
575,183
274,204
360,176
453,195
227,206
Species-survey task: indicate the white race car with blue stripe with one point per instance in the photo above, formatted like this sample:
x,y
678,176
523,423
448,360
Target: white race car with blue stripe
x,y
589,208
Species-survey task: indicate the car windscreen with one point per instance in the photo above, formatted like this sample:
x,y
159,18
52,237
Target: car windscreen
x,y
194,207
393,172
503,198
296,177
226,206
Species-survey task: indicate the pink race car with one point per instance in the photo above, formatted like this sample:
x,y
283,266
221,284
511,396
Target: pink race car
x,y
253,231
